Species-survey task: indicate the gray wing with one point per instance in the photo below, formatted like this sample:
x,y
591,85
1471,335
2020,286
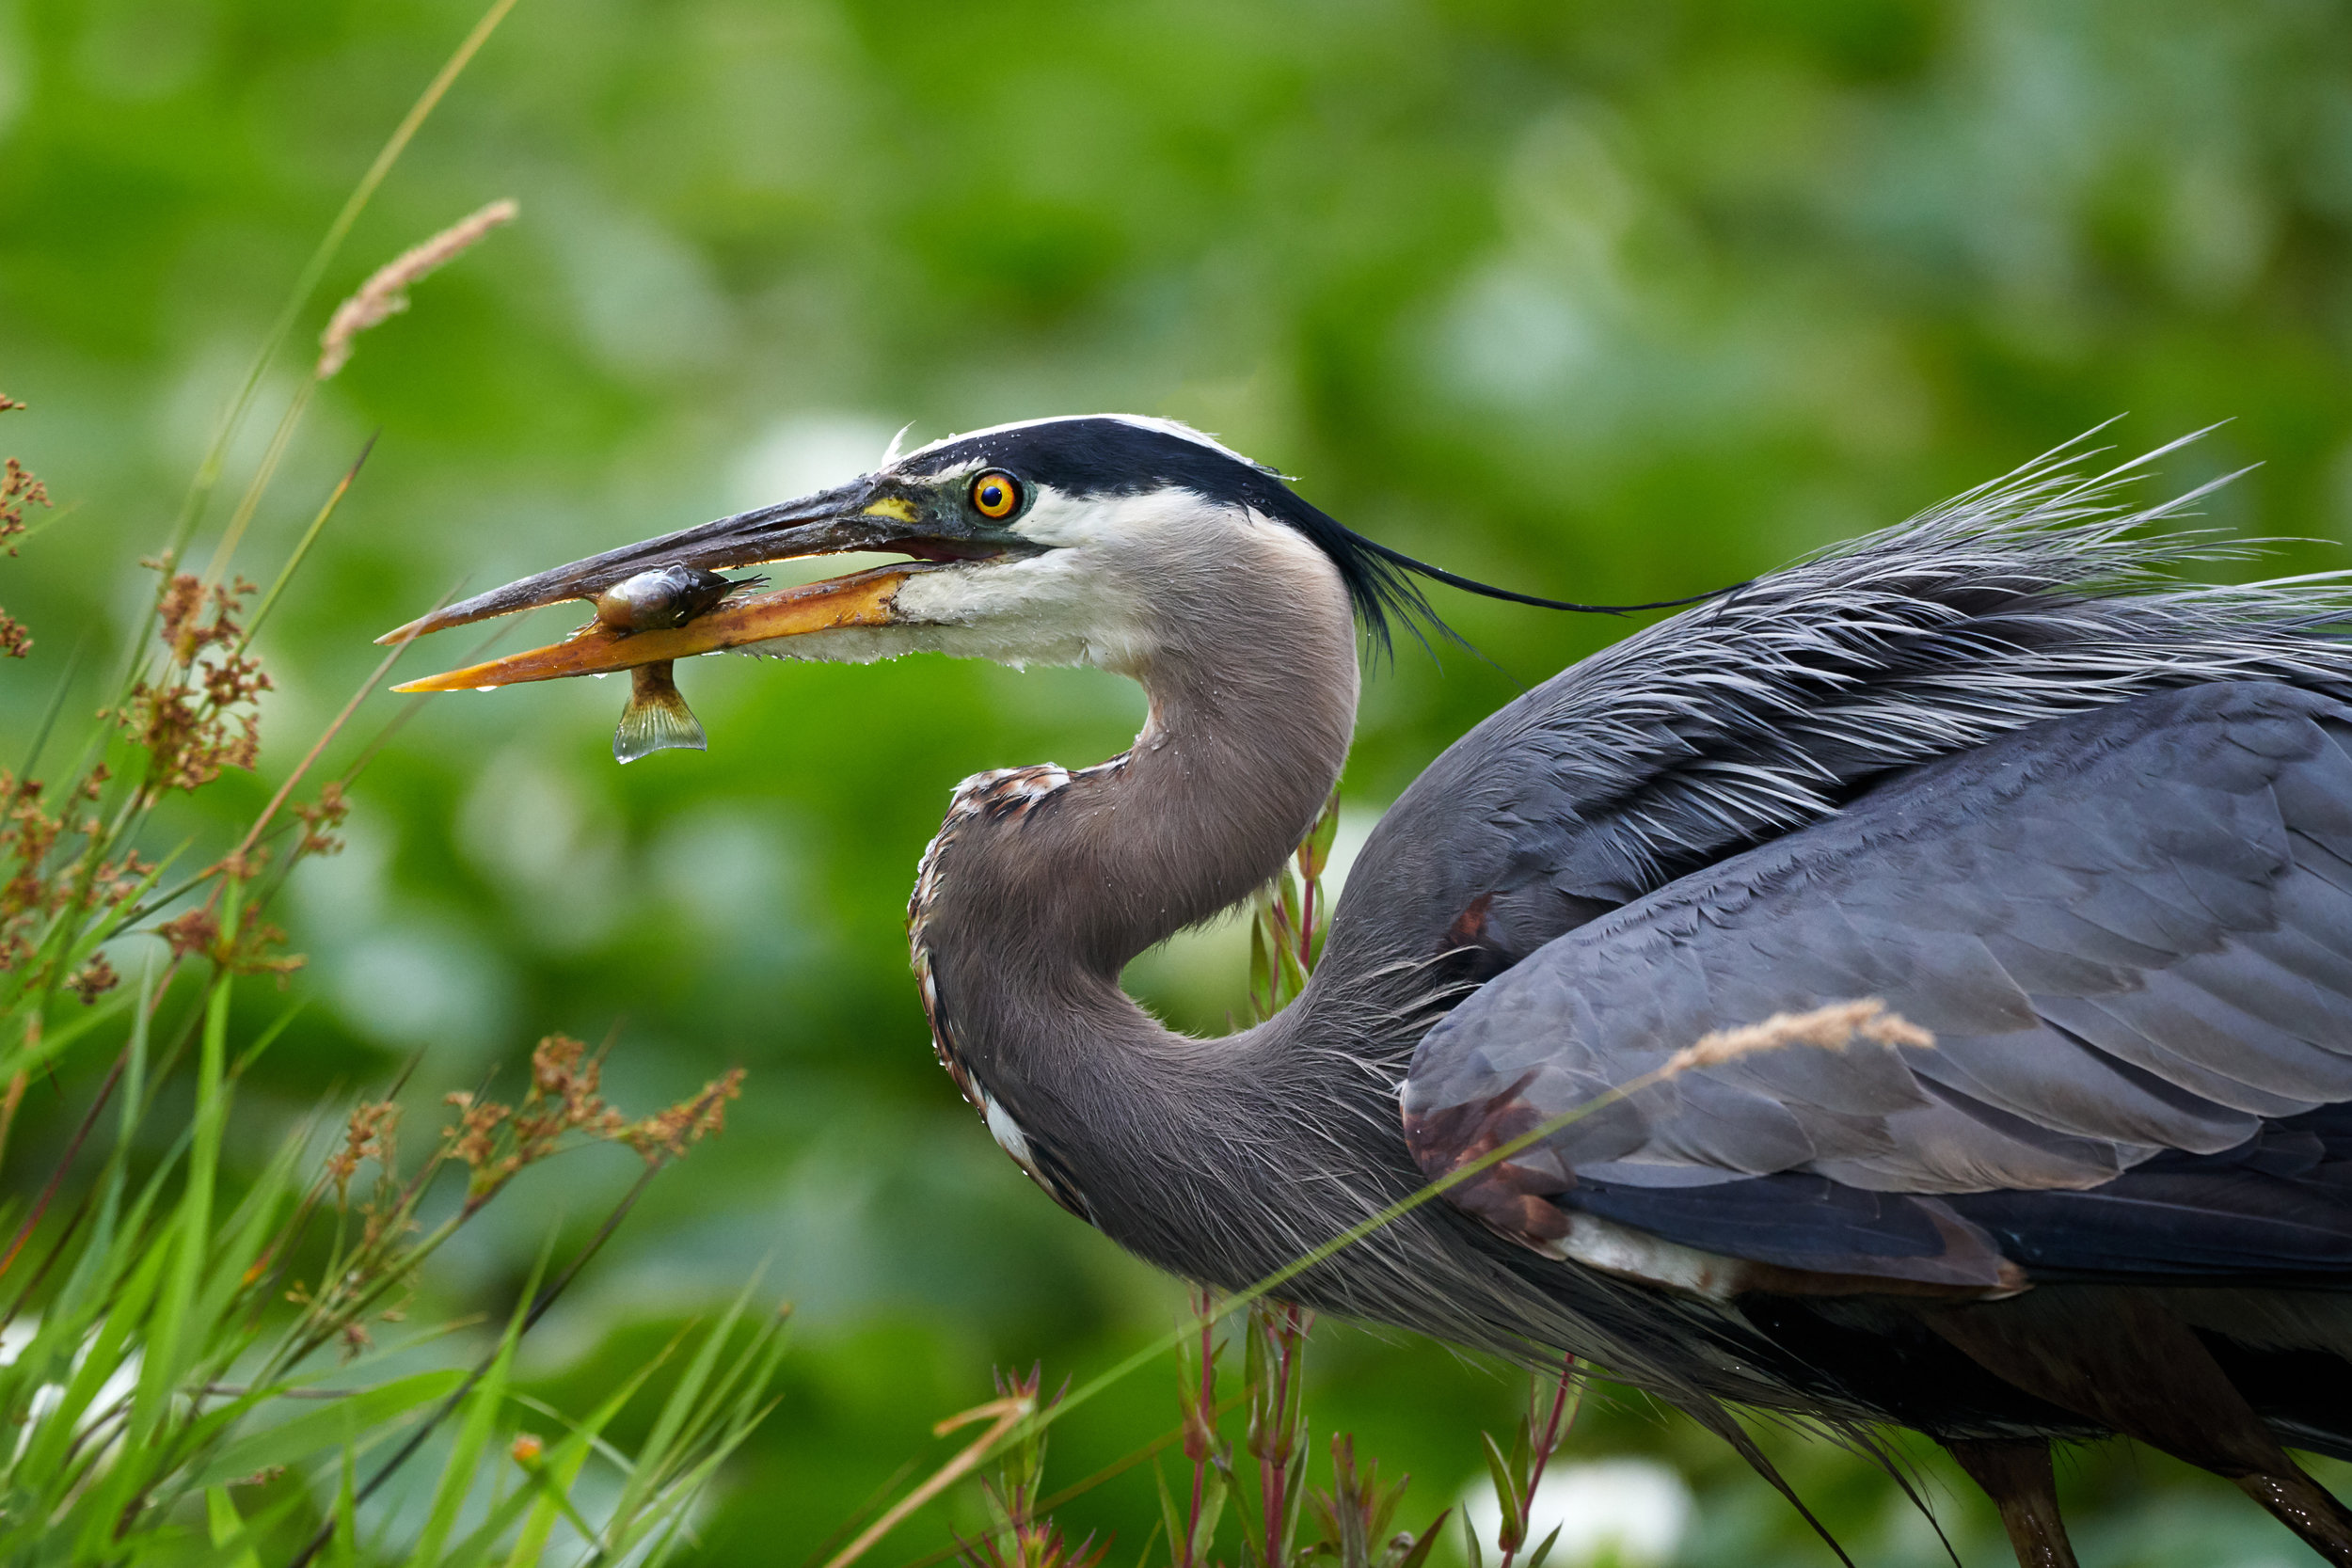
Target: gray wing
x,y
2131,933
1765,711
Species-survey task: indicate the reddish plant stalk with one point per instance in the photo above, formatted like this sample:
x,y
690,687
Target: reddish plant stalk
x,y
1202,1304
1273,1466
1542,1455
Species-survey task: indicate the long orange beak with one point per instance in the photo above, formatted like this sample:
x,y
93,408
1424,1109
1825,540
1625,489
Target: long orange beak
x,y
859,599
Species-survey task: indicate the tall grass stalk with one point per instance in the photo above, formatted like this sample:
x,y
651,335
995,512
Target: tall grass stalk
x,y
191,1368
193,1348
208,468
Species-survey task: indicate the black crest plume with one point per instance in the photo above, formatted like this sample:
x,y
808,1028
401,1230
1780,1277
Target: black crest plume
x,y
1110,454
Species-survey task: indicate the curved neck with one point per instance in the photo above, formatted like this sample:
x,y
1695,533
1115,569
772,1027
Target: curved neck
x,y
1043,883
1251,672
1226,777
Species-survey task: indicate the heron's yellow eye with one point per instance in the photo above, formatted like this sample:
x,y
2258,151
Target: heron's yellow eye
x,y
995,494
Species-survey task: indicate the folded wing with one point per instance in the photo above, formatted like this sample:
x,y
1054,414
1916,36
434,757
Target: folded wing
x,y
2130,931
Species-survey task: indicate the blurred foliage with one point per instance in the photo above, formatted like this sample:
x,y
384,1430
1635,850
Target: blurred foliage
x,y
1610,302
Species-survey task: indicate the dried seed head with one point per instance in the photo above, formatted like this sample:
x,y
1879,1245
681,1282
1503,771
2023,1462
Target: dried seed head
x,y
198,718
321,819
195,933
1830,1028
386,293
667,1134
19,488
368,1135
93,980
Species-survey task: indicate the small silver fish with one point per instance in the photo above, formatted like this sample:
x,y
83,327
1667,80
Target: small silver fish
x,y
665,596
657,718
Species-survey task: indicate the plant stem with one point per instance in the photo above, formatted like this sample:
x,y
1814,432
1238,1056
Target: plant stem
x,y
1009,1413
1561,1408
325,736
65,1161
1202,1302
259,484
457,1397
1287,1329
208,471
302,548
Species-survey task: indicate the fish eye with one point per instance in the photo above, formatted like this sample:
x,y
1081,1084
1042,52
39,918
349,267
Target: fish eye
x,y
995,494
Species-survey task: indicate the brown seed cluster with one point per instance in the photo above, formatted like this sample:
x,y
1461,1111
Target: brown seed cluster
x,y
191,935
93,980
320,820
249,948
665,1134
19,489
198,718
43,884
368,1135
193,720
495,1141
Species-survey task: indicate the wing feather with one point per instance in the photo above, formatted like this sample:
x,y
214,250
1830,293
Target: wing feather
x,y
2131,931
2092,1020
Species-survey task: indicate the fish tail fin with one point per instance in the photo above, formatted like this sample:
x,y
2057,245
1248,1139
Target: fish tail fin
x,y
657,718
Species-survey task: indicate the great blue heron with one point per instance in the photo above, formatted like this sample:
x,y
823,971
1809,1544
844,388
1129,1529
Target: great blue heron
x,y
2092,829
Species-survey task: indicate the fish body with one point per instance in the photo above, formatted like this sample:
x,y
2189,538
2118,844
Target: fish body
x,y
657,718
665,596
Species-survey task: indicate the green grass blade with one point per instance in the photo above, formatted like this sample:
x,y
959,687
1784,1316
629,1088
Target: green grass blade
x,y
547,1494
174,1328
169,1547
339,1424
344,1544
671,1504
56,705
302,548
653,1457
482,1407
560,1469
54,1038
228,1526
45,1456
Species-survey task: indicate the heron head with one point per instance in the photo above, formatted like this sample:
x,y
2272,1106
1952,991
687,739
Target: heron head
x,y
1068,541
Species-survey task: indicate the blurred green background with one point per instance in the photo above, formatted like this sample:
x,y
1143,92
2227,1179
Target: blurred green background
x,y
1604,301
